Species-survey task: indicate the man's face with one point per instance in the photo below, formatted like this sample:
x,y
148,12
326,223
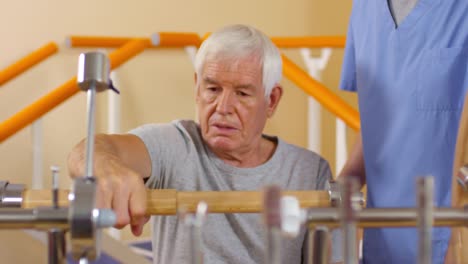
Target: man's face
x,y
231,104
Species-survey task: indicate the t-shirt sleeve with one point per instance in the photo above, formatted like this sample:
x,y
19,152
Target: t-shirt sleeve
x,y
348,71
166,144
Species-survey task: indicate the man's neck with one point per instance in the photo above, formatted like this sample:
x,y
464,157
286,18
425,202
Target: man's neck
x,y
252,157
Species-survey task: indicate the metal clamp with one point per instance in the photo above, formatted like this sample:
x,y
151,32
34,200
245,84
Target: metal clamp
x,y
93,71
11,195
82,226
86,220
336,199
462,177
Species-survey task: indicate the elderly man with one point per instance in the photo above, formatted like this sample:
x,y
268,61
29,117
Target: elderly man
x,y
238,70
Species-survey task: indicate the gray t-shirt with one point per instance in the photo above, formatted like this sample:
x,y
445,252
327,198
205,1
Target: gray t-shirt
x,y
180,160
400,9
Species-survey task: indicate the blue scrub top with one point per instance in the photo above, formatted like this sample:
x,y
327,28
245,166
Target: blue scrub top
x,y
411,82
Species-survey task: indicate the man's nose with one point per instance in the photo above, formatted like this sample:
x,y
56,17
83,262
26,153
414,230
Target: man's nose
x,y
225,103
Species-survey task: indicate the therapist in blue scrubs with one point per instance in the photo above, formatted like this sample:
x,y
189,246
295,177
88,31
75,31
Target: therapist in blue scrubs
x,y
407,60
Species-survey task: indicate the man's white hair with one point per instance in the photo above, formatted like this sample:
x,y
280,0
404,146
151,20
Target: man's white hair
x,y
238,42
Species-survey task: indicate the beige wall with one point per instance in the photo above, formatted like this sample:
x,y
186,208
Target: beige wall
x,y
156,86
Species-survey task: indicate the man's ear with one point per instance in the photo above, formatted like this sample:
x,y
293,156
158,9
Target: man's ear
x,y
274,99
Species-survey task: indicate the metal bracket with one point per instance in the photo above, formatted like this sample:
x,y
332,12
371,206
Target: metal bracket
x,y
82,217
335,195
11,195
462,177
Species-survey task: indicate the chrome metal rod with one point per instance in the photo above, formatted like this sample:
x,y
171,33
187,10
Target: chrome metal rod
x,y
57,248
272,220
194,224
319,242
386,217
348,220
195,244
55,186
91,124
40,218
273,246
425,188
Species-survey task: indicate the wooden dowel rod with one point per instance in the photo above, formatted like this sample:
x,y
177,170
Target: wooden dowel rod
x,y
169,201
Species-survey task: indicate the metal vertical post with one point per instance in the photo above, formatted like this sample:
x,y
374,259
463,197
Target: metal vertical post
x,y
319,242
348,218
425,219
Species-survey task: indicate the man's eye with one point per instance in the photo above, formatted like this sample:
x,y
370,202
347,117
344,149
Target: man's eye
x,y
212,89
241,93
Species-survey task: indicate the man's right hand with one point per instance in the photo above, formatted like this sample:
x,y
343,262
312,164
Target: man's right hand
x,y
120,161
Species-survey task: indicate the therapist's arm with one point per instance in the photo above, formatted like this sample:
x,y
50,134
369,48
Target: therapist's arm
x,y
456,252
354,166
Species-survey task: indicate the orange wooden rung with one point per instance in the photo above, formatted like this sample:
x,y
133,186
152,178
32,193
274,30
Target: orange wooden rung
x,y
323,95
27,62
310,42
65,91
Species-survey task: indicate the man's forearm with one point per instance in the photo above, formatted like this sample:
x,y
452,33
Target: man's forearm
x,y
103,149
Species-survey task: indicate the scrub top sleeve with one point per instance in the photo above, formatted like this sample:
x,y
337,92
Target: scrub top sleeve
x,y
348,71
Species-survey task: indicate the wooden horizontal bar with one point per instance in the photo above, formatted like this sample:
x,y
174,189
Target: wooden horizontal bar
x,y
245,201
27,62
65,91
170,201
